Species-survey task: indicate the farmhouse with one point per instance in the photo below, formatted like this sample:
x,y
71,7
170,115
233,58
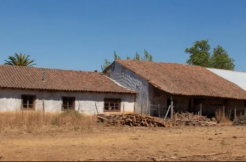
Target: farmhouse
x,y
53,90
181,87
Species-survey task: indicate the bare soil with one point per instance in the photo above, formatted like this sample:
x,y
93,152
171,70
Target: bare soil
x,y
126,143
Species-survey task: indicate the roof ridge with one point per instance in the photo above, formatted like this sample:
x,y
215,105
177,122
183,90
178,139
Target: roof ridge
x,y
156,62
50,69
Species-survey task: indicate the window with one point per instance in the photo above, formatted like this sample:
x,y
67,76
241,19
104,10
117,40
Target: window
x,y
68,103
28,102
112,104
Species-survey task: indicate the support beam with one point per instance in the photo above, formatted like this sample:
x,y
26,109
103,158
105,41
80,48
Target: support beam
x,y
235,113
223,111
244,107
200,109
171,107
159,110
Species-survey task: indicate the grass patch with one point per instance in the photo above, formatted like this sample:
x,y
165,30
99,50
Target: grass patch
x,y
37,120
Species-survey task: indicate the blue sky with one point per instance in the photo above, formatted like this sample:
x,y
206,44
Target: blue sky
x,y
80,34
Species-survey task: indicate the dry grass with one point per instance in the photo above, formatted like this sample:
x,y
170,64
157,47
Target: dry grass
x,y
223,119
37,120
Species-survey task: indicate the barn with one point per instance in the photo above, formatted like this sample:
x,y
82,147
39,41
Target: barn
x,y
160,86
54,90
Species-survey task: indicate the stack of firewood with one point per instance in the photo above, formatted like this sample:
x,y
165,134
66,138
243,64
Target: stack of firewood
x,y
133,120
240,121
189,119
183,119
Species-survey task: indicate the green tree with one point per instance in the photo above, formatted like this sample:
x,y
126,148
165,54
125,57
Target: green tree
x,y
147,57
199,54
19,60
221,60
116,57
105,65
137,56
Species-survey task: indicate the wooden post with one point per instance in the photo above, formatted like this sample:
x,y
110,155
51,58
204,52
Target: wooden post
x,y
141,110
167,112
149,107
175,118
43,109
123,108
223,111
244,110
235,113
200,109
96,107
171,107
159,111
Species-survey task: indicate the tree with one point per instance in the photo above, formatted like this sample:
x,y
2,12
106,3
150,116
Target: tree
x,y
199,54
221,60
106,64
147,57
19,60
137,56
116,57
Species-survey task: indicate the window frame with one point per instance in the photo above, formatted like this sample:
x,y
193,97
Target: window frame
x,y
28,96
73,103
112,100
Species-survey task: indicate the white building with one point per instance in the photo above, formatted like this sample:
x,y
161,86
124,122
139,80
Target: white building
x,y
53,90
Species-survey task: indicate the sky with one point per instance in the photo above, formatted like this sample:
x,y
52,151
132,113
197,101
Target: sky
x,y
80,34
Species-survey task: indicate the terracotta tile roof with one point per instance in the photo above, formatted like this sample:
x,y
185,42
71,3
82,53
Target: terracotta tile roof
x,y
61,80
180,79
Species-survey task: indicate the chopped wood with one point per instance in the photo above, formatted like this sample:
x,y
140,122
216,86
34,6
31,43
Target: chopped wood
x,y
183,119
240,121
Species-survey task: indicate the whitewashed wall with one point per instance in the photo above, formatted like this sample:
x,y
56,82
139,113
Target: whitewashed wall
x,y
134,82
10,100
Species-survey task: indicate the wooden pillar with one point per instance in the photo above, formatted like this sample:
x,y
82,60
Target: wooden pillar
x,y
149,107
223,111
200,109
171,107
244,107
159,111
235,113
141,109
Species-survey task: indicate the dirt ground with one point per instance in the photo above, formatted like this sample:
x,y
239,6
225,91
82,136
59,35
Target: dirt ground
x,y
125,143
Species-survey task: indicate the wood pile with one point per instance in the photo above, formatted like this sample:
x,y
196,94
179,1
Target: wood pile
x,y
190,119
133,120
240,121
136,120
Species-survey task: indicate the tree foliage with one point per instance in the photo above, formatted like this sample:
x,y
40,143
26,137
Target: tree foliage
x,y
147,57
221,60
19,60
200,55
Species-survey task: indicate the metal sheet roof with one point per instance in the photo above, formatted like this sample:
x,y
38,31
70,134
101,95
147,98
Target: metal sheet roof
x,y
236,77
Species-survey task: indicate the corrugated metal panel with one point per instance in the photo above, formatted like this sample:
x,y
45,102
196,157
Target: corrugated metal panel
x,y
236,77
